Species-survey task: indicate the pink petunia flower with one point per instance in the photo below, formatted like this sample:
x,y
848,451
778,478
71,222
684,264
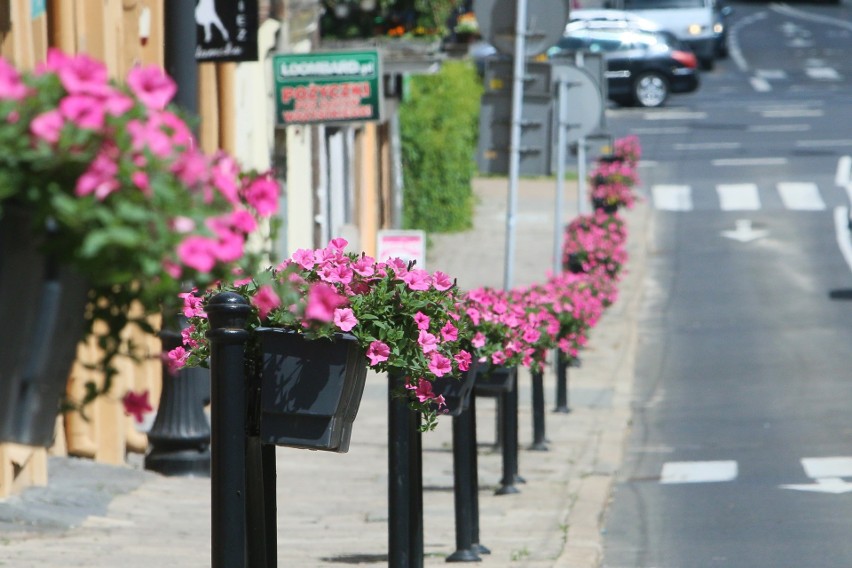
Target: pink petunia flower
x,y
262,195
440,365
153,87
265,300
427,341
137,405
463,359
345,319
198,253
442,281
418,280
449,332
478,340
322,300
377,352
47,126
422,320
304,258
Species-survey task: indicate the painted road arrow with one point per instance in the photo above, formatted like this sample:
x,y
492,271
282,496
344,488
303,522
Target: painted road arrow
x,y
744,232
833,485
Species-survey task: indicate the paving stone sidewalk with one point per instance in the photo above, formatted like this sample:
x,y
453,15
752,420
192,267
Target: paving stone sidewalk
x,y
332,508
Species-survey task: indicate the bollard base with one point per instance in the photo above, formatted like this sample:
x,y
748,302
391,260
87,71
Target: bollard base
x,y
561,410
190,463
480,549
507,490
539,447
468,555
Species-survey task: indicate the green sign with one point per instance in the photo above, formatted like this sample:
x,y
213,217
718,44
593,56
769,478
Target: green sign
x,y
325,87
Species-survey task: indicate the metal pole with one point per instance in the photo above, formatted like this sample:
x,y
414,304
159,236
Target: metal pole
x,y
558,229
510,440
515,138
228,313
463,471
538,412
583,205
474,480
179,51
561,385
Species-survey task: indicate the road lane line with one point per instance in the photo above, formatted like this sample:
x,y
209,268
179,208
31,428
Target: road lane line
x,y
839,466
801,196
738,196
698,472
672,197
749,162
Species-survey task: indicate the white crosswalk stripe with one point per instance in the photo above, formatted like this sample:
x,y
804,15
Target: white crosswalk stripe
x,y
699,472
794,196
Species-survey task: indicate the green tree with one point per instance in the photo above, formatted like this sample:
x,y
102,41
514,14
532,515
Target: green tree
x,y
439,123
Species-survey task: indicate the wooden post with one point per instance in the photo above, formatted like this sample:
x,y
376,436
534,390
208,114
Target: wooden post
x,y
208,107
367,155
227,107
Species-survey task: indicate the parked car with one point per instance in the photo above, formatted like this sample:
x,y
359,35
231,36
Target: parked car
x,y
721,11
642,67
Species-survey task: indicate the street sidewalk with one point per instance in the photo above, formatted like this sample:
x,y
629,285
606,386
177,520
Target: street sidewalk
x,y
332,508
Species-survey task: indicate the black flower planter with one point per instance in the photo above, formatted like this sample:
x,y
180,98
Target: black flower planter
x,y
574,264
310,390
456,390
42,306
601,204
492,380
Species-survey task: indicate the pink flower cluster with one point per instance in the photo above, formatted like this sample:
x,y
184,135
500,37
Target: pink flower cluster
x,y
628,149
595,241
612,183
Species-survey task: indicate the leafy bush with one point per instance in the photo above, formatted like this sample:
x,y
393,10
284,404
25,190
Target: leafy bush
x,y
439,128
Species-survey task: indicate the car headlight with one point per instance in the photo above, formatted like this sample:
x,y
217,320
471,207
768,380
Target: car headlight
x,y
694,29
718,28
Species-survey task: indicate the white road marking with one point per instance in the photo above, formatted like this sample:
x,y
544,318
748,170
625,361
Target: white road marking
x,y
675,115
708,146
749,162
823,143
844,169
801,196
792,113
823,73
698,472
760,84
669,130
744,232
738,196
672,197
841,231
815,468
779,128
775,74
833,485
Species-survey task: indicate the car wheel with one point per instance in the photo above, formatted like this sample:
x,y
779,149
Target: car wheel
x,y
707,64
650,90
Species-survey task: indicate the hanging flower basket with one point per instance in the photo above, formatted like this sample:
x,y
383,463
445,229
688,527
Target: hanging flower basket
x,y
456,390
310,389
491,381
41,306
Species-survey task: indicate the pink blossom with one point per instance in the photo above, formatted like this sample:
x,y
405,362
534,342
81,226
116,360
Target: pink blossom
x,y
531,335
364,266
140,180
473,314
230,246
478,340
242,221
99,178
137,405
336,274
463,359
148,136
153,87
304,258
225,172
83,75
262,194
193,306
11,86
175,359
181,224
172,268
338,244
322,300
449,332
83,110
47,126
442,281
439,364
498,358
423,391
345,319
117,104
422,320
198,253
418,280
186,337
378,352
265,300
191,167
427,341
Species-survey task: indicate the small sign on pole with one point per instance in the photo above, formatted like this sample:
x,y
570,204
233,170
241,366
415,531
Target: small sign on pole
x,y
327,87
226,30
407,245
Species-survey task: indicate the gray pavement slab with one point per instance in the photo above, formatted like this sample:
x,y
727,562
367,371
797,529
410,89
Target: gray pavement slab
x,y
332,508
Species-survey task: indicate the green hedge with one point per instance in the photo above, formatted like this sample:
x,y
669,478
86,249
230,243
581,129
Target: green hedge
x,y
439,123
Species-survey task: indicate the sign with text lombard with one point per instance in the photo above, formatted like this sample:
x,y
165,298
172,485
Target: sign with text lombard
x,y
327,87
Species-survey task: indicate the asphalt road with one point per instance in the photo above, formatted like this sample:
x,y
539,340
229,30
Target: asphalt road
x,y
741,449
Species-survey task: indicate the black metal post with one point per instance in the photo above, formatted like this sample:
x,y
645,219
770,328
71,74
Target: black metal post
x,y
474,480
179,51
509,424
405,481
179,439
463,471
261,504
228,313
539,444
561,385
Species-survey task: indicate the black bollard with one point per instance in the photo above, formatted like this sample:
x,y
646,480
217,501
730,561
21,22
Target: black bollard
x,y
228,313
539,443
179,439
561,385
463,472
405,481
509,423
474,480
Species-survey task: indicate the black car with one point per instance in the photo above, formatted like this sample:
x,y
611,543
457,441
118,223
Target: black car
x,y
643,67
